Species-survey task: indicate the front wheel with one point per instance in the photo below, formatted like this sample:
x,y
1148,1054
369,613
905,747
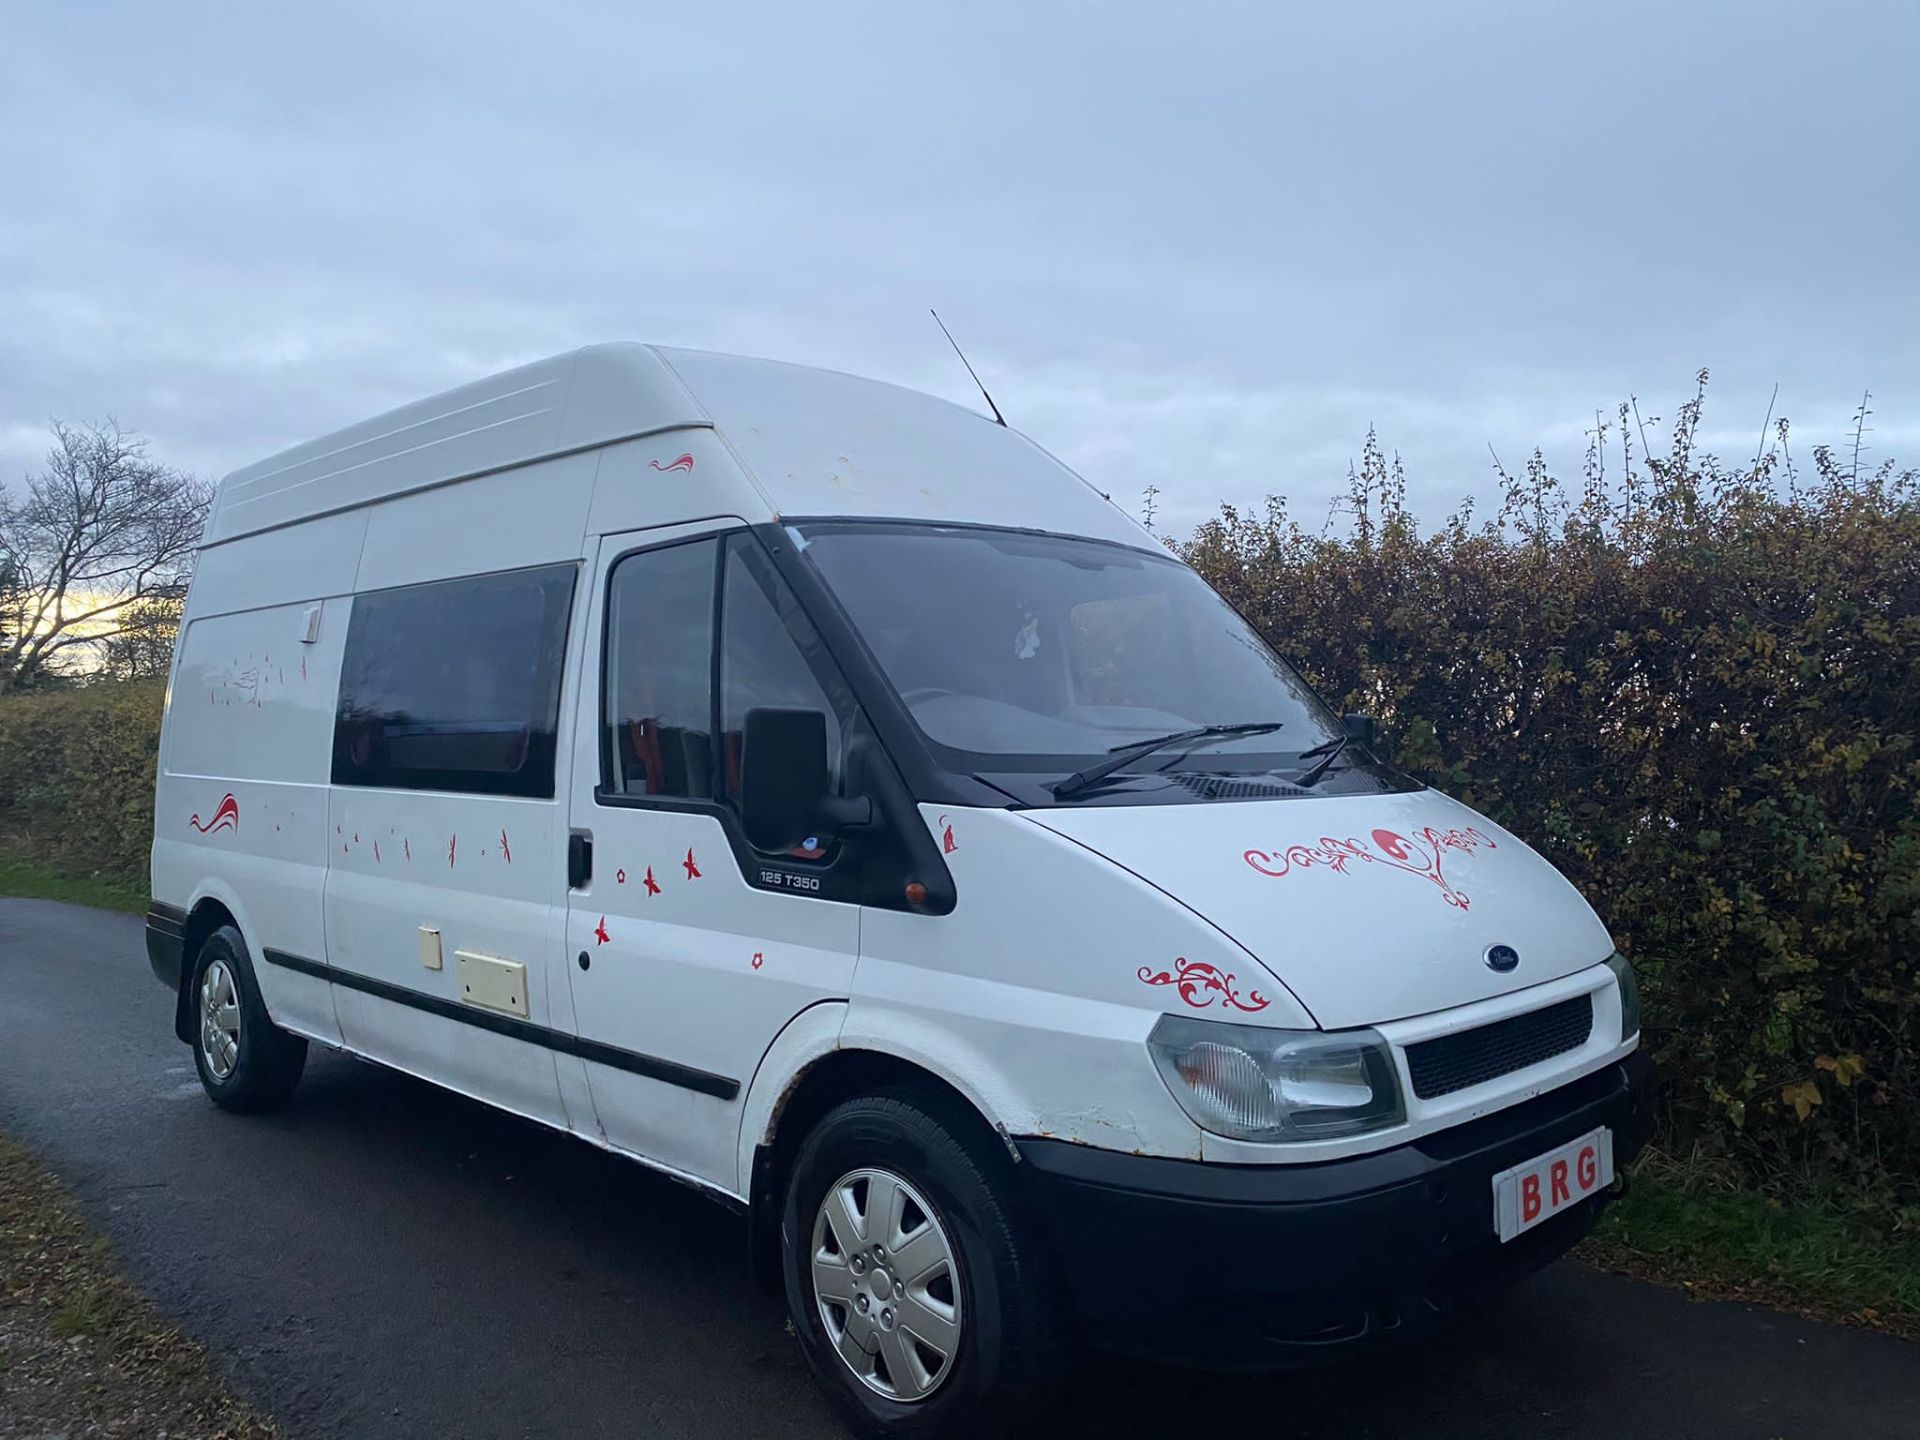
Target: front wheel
x,y
246,1062
920,1296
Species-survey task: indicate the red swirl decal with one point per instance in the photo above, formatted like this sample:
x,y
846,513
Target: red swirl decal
x,y
225,817
683,463
1419,855
1200,984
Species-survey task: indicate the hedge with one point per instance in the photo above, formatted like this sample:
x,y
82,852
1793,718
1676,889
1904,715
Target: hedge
x,y
76,776
1697,691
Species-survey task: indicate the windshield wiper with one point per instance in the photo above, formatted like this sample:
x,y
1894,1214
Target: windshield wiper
x,y
1121,756
1328,753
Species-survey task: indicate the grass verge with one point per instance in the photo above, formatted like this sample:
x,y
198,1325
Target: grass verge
x,y
22,876
81,1351
1699,1231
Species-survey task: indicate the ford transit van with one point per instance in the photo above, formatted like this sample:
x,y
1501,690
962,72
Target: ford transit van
x,y
820,794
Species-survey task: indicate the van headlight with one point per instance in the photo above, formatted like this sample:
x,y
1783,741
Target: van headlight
x,y
1251,1083
1622,969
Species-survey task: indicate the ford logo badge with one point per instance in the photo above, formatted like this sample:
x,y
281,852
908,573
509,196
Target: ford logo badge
x,y
1502,958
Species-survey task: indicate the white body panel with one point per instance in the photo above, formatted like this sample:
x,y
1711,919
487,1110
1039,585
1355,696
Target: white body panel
x,y
240,806
402,859
575,402
1027,998
687,963
1033,998
1373,907
1039,1011
823,443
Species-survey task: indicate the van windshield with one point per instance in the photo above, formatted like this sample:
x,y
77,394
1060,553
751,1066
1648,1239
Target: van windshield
x,y
1038,655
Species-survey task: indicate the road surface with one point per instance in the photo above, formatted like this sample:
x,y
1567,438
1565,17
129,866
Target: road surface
x,y
383,1259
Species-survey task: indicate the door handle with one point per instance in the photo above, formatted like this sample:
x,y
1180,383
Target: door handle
x,y
579,860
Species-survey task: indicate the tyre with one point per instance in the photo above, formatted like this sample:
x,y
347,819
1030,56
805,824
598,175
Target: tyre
x,y
246,1062
915,1282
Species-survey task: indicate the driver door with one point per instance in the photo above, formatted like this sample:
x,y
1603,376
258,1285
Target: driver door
x,y
690,951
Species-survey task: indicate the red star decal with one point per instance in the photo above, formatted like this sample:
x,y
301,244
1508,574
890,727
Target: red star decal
x,y
600,936
653,886
693,870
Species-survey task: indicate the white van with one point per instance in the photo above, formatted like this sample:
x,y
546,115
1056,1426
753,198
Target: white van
x,y
815,791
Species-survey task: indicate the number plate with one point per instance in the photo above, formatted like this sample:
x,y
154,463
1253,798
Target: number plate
x,y
1550,1183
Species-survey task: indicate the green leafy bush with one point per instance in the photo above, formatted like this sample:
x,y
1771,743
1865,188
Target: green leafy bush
x,y
1697,691
76,777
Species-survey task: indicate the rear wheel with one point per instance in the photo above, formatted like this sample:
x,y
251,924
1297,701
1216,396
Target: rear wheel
x,y
920,1297
246,1062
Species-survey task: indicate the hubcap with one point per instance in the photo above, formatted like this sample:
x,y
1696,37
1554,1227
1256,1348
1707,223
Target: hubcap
x,y
219,1019
887,1284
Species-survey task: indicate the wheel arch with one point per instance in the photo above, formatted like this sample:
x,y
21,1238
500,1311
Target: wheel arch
x,y
825,1080
207,914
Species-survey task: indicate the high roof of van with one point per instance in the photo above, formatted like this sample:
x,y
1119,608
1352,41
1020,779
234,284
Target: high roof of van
x,y
813,442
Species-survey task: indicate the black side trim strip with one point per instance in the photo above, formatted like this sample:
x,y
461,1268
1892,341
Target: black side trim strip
x,y
600,1053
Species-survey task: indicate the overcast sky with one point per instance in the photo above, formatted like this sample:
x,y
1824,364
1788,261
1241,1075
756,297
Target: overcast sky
x,y
1196,245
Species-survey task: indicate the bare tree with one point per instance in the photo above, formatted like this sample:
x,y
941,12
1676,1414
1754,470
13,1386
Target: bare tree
x,y
95,550
142,646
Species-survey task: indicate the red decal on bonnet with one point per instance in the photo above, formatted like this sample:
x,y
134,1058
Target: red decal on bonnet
x,y
503,847
653,886
1200,984
452,844
1417,856
947,847
682,463
225,817
693,870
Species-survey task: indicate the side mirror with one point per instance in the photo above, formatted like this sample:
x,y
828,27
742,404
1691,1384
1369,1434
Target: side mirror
x,y
1359,729
783,775
784,781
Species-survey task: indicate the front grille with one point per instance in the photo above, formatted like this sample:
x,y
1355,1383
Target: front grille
x,y
1454,1062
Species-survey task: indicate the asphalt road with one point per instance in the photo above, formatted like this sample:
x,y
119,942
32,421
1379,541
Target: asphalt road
x,y
383,1259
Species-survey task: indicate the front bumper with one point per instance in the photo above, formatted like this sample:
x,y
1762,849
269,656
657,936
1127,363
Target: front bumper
x,y
1260,1267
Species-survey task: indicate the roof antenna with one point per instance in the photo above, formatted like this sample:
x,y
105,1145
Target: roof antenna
x,y
963,360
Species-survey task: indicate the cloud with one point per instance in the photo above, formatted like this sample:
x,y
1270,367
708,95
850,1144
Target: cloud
x,y
1202,250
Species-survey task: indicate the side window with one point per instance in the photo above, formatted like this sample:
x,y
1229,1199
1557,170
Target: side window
x,y
659,664
771,655
455,685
